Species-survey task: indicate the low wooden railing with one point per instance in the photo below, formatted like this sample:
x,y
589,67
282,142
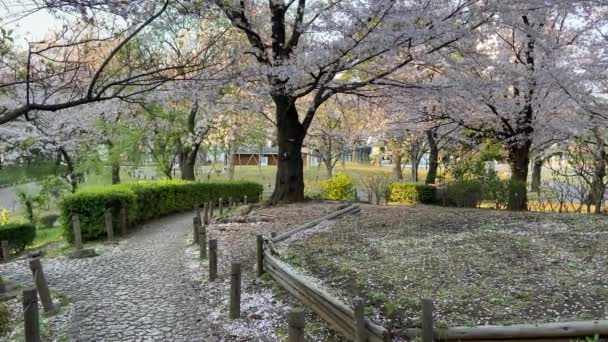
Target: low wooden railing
x,y
337,314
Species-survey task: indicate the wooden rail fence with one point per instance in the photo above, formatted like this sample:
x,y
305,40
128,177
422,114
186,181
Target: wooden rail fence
x,y
351,323
339,315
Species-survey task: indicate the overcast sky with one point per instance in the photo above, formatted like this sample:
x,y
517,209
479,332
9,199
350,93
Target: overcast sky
x,y
34,26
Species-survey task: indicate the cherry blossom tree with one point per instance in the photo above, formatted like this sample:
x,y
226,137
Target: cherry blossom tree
x,y
309,51
341,124
508,82
106,50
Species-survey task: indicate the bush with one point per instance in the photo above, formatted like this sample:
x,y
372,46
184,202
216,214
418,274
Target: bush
x,y
156,199
338,188
412,193
377,187
463,193
145,200
18,235
91,205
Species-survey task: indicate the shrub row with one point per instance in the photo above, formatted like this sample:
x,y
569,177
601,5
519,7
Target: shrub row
x,y
412,193
18,235
471,192
145,200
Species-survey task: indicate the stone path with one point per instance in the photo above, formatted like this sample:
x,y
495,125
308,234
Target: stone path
x,y
139,290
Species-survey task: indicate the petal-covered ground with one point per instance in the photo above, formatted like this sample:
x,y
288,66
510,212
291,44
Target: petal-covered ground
x,y
479,266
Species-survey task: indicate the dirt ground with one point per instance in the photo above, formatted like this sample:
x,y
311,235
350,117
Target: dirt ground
x,y
479,266
264,305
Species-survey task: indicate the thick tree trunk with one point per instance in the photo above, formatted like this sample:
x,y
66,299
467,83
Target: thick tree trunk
x,y
396,160
115,172
187,170
289,185
187,162
519,158
536,174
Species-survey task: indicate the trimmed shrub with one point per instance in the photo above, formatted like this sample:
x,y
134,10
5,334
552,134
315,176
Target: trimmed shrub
x,y
156,199
145,200
18,235
91,205
338,188
463,193
412,193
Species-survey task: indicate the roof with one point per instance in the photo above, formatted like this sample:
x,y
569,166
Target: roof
x,y
256,150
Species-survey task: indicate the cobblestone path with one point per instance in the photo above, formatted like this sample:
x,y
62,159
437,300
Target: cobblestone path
x,y
139,290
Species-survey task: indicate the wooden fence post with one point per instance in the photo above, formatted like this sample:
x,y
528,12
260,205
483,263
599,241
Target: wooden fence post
x,y
296,322
245,200
427,320
195,228
220,206
235,290
197,212
359,323
211,208
212,259
230,202
261,197
109,228
77,231
122,221
30,316
202,242
260,254
206,213
41,285
6,250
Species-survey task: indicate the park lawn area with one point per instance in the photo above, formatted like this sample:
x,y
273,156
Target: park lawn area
x,y
479,266
314,176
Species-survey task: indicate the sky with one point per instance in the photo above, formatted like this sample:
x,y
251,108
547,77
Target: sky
x,y
33,27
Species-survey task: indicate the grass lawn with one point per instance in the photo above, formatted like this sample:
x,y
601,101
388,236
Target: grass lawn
x,y
20,174
313,176
479,266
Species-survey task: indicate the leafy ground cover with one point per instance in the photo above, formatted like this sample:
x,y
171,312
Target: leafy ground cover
x,y
479,266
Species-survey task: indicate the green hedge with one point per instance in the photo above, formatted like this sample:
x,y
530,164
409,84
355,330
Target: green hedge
x,y
412,193
145,200
463,193
18,235
91,205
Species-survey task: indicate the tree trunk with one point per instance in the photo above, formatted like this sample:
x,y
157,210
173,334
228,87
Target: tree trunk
x,y
115,172
519,158
536,174
187,161
396,160
329,170
260,155
598,187
414,170
433,165
230,159
289,185
70,173
187,170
